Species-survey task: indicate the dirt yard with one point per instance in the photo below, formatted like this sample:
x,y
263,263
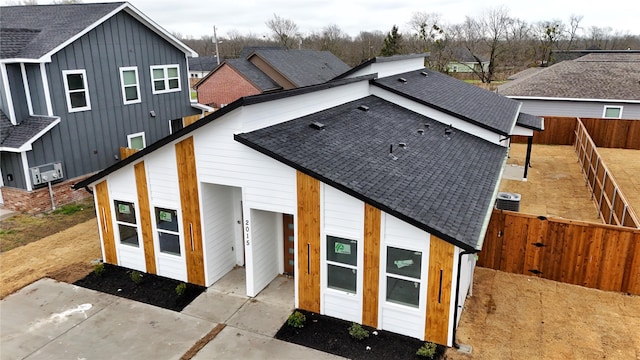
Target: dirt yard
x,y
519,317
625,167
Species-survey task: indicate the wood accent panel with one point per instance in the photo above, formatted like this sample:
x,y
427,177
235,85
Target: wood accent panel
x,y
191,223
188,120
372,217
106,225
440,279
593,255
125,152
308,192
145,217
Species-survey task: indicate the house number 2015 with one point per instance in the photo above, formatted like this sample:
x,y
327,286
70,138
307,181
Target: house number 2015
x,y
246,232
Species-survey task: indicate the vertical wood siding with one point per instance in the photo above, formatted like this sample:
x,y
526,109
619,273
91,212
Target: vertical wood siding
x,y
372,218
441,259
106,225
145,217
308,191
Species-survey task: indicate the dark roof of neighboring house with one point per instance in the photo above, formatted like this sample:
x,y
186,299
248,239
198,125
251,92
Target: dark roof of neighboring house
x,y
530,121
303,67
14,136
563,55
442,184
464,55
613,76
524,73
444,93
253,74
203,63
379,59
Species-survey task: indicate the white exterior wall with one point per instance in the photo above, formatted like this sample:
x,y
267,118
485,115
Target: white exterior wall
x,y
388,68
585,109
341,216
522,131
393,317
467,269
264,264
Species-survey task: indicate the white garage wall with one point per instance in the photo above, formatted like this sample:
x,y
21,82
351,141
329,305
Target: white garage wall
x,y
264,243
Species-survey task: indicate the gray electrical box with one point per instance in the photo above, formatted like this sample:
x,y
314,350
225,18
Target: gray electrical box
x,y
46,173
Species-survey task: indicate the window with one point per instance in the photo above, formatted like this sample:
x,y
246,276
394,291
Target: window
x,y
130,86
342,264
165,78
168,235
403,276
612,112
76,89
175,125
126,220
136,141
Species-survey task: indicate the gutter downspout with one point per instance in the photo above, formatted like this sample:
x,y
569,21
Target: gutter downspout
x,y
455,309
88,190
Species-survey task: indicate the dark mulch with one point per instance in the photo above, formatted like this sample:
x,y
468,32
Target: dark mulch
x,y
331,335
155,290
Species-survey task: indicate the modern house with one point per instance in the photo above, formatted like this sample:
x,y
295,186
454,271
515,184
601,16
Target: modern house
x,y
374,193
597,85
77,83
260,70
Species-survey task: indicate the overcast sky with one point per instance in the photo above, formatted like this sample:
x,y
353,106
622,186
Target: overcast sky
x,y
197,17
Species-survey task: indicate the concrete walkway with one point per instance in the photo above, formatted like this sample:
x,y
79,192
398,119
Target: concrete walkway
x,y
54,320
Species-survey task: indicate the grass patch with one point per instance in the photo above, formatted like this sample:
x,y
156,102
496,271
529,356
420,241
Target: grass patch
x,y
69,209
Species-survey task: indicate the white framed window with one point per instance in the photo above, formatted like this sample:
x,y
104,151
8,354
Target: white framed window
x,y
403,276
175,125
76,90
168,231
136,141
165,78
612,112
342,264
130,85
126,220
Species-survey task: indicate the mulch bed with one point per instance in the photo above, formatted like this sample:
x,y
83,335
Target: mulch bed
x,y
331,335
152,289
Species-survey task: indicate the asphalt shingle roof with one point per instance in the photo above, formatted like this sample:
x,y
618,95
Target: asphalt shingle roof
x,y
468,102
530,121
441,184
49,25
253,74
203,63
612,76
14,136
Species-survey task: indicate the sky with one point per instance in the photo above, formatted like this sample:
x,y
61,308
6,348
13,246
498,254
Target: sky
x,y
196,18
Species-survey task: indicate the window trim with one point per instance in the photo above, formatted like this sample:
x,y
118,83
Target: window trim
x,y
607,107
328,262
67,92
158,230
124,223
123,86
135,135
387,274
165,69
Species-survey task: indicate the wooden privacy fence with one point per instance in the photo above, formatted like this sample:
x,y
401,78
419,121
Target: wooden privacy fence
x,y
598,256
612,205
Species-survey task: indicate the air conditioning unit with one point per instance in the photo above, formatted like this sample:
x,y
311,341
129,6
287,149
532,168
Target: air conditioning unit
x,y
46,173
508,201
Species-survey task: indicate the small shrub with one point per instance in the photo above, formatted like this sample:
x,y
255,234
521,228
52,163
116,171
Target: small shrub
x,y
98,269
136,276
358,332
296,320
181,289
427,350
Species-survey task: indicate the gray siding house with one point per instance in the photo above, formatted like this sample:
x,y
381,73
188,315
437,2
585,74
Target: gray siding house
x,y
77,82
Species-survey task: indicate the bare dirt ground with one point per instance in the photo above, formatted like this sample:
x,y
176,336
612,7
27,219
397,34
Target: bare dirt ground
x,y
625,167
555,185
514,316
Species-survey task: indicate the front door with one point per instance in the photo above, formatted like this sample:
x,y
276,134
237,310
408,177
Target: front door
x,y
289,251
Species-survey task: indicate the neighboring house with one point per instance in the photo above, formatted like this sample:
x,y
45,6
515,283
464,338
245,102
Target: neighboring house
x,y
597,85
200,66
463,61
77,82
264,69
373,193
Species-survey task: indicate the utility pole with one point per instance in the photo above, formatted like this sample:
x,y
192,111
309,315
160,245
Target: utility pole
x,y
215,40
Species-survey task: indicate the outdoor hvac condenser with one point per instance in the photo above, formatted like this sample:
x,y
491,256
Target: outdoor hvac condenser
x,y
508,201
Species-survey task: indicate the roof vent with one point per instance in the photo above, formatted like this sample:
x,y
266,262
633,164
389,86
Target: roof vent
x,y
317,125
402,80
363,108
402,145
424,73
427,125
447,131
421,131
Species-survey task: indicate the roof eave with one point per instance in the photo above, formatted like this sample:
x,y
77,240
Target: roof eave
x,y
27,146
489,211
548,98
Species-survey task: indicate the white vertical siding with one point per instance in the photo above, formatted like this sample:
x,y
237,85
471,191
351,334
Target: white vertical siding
x,y
467,268
585,109
264,242
162,171
219,225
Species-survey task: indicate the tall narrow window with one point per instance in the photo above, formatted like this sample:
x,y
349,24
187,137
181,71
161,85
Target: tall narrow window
x,y
612,112
165,78
342,264
130,85
403,276
126,220
76,89
136,141
168,235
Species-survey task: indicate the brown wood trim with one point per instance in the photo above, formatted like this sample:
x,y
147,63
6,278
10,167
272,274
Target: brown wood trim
x,y
106,225
308,192
145,217
191,223
371,274
440,278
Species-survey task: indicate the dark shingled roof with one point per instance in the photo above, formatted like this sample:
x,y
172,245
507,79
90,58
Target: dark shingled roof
x,y
51,25
442,184
14,136
253,74
530,121
468,102
612,76
303,67
203,63
462,54
12,41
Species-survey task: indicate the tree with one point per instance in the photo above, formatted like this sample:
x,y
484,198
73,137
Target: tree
x,y
392,43
285,31
549,34
574,25
428,29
